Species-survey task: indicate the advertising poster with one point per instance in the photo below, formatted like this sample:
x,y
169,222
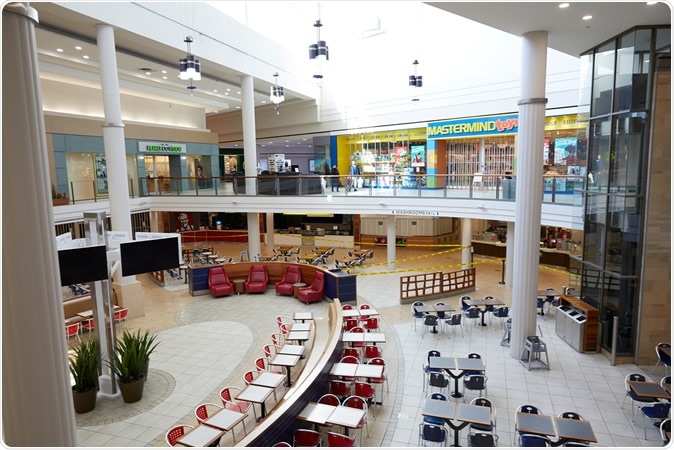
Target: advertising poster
x,y
184,222
101,175
565,151
418,156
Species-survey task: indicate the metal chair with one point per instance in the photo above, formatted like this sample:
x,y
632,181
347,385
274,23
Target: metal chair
x,y
427,366
371,324
176,433
339,388
491,428
332,400
438,380
372,351
665,427
306,438
663,350
380,380
340,440
439,421
73,330
249,376
430,321
475,383
472,313
657,412
120,316
416,315
502,313
534,440
89,325
433,434
365,391
632,395
482,439
529,409
229,402
359,403
455,321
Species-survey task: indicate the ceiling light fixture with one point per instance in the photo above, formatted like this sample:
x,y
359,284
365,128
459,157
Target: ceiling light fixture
x,y
319,50
276,94
564,5
415,80
190,67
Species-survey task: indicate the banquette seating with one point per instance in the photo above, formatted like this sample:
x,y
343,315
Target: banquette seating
x,y
219,283
314,292
257,279
285,286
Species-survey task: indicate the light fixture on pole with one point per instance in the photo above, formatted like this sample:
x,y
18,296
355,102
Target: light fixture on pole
x,y
276,94
190,67
319,50
415,80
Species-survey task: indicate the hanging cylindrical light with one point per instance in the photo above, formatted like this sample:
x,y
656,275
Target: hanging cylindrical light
x,y
190,67
416,80
319,50
276,93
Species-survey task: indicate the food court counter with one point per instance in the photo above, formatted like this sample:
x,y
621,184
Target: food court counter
x,y
548,256
279,423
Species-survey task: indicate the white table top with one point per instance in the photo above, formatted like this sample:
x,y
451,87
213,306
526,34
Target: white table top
x,y
346,416
289,349
254,393
303,316
269,379
363,337
301,326
343,369
369,371
350,313
225,419
284,360
200,436
368,312
316,412
298,336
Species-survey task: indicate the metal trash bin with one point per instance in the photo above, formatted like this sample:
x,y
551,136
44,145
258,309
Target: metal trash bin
x,y
570,326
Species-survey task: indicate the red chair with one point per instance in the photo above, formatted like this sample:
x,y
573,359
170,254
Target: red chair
x,y
340,388
229,402
372,351
262,365
249,376
381,380
313,293
306,438
283,320
285,286
88,325
363,317
176,433
364,390
281,444
218,282
349,324
358,344
350,351
346,306
277,339
269,350
340,440
201,412
332,400
73,330
371,324
257,279
359,403
120,316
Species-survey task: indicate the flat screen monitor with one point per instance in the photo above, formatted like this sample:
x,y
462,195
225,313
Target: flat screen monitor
x,y
83,264
149,255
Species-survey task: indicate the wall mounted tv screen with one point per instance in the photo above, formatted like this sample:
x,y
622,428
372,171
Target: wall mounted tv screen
x,y
83,264
149,256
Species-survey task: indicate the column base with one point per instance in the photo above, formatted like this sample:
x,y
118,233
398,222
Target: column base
x,y
130,295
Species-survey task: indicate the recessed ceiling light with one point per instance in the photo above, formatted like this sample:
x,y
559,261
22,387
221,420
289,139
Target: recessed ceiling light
x,y
85,56
165,78
239,92
238,107
60,50
148,73
215,90
228,89
563,5
163,71
588,17
226,93
264,101
263,145
77,47
271,142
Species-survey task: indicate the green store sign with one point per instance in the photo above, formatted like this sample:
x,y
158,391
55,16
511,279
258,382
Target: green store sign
x,y
161,147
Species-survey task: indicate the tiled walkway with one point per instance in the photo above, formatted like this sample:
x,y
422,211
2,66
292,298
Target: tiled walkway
x,y
208,343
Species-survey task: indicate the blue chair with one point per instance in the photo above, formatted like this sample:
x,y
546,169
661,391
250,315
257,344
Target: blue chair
x,y
439,421
540,304
473,372
631,394
427,367
464,306
491,428
482,439
529,409
657,412
502,313
417,315
455,320
438,380
534,440
432,433
663,350
665,427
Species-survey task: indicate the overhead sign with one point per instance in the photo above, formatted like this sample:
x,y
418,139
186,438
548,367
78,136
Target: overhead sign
x,y
161,147
474,126
414,212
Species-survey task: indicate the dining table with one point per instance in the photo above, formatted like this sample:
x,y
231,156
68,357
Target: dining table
x,y
375,338
270,380
450,364
302,316
303,326
649,389
341,415
287,361
565,430
487,302
201,436
298,336
226,419
457,415
256,394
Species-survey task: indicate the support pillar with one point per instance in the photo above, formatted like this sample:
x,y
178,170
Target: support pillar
x,y
36,393
466,243
270,232
250,159
530,184
510,249
391,241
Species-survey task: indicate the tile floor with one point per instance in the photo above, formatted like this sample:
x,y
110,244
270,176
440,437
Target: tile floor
x,y
209,343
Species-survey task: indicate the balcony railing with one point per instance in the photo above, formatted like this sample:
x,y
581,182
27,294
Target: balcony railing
x,y
560,189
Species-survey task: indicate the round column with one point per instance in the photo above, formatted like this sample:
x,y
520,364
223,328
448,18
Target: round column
x,y
466,242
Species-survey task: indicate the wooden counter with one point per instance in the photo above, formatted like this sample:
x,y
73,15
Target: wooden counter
x,y
591,313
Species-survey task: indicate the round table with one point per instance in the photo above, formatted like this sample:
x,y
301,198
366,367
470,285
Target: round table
x,y
296,288
239,286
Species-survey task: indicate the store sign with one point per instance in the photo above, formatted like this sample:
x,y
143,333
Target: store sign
x,y
476,126
161,147
564,123
414,212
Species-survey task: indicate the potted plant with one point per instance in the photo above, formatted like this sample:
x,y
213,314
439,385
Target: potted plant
x,y
129,362
58,198
84,366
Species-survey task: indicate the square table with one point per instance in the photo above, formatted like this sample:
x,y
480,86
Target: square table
x,y
424,308
287,361
343,369
298,336
439,408
451,363
444,308
369,371
473,302
649,389
269,379
300,327
226,419
290,349
347,417
368,312
316,412
536,424
302,316
201,436
256,394
449,411
574,430
348,313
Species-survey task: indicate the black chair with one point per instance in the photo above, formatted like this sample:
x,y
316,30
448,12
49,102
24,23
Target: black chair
x,y
427,367
430,321
472,313
534,440
475,383
657,412
464,306
540,305
482,439
416,315
438,380
441,314
631,394
502,313
491,428
454,321
663,358
432,433
571,415
529,409
665,427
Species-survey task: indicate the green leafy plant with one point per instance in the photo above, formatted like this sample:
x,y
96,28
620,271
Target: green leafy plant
x,y
55,195
130,355
84,365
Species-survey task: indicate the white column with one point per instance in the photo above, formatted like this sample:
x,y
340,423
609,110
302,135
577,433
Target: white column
x,y
270,232
466,242
250,159
510,249
36,397
529,186
391,241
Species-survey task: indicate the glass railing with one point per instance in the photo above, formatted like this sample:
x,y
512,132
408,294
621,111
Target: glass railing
x,y
559,189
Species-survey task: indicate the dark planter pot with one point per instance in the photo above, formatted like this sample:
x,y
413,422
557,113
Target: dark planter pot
x,y
133,391
146,367
84,401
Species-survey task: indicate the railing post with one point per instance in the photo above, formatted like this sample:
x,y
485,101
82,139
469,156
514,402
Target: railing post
x,y
614,339
93,184
554,189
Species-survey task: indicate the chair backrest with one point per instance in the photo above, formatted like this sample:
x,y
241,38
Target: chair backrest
x,y
217,276
121,314
268,350
363,389
633,377
176,433
260,365
364,306
340,440
282,444
355,401
665,427
357,330
438,380
530,409
346,306
660,350
292,275
432,353
372,351
72,329
329,399
571,415
534,440
340,388
306,438
201,411
350,360
659,410
455,319
482,401
665,380
318,282
249,376
226,394
372,322
475,382
432,433
473,312
438,396
378,361
258,272
431,320
474,356
350,324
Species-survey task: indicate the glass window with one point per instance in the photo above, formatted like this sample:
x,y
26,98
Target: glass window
x,y
585,82
629,138
623,235
600,154
632,66
602,85
663,40
595,224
